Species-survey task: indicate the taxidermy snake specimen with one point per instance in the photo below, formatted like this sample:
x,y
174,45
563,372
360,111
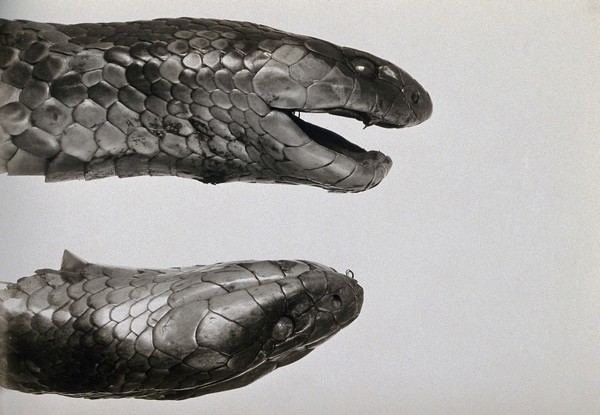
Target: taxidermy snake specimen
x,y
212,100
97,331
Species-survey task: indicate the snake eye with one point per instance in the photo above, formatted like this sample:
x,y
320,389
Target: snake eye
x,y
364,67
282,329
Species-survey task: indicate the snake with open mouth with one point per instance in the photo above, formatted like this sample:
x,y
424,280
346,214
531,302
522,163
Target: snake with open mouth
x,y
213,100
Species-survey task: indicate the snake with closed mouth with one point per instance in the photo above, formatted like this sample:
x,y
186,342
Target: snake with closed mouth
x,y
98,331
212,100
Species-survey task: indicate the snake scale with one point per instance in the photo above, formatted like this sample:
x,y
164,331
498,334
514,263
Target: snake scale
x,y
212,100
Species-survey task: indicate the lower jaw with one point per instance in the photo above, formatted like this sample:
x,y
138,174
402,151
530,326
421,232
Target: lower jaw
x,y
368,174
341,176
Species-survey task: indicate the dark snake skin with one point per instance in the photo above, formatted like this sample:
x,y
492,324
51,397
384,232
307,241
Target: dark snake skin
x,y
212,100
97,331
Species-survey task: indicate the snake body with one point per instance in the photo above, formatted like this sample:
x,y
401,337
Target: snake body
x,y
212,100
97,331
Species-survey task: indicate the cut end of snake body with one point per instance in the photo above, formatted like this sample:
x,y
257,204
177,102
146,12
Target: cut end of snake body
x,y
96,331
212,100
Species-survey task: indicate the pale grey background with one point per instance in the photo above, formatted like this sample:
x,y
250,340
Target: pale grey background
x,y
479,253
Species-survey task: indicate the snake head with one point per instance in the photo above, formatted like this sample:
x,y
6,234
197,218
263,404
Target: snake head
x,y
251,332
319,77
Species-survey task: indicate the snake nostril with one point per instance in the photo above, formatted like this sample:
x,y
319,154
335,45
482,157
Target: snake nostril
x,y
414,97
336,302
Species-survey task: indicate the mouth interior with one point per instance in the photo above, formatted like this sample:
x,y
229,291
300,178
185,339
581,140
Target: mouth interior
x,y
328,138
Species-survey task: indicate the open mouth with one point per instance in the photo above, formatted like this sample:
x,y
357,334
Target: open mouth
x,y
327,138
321,157
306,153
335,142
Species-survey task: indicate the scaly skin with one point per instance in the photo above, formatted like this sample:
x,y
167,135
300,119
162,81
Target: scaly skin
x,y
97,331
206,99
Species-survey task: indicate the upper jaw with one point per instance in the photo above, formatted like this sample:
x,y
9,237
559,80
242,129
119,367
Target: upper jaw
x,y
369,119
